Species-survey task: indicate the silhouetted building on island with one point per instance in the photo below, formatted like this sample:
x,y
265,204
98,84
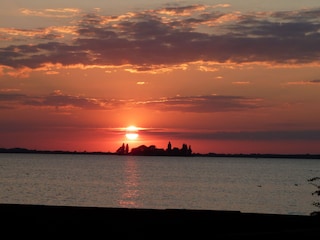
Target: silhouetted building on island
x,y
169,148
152,150
123,150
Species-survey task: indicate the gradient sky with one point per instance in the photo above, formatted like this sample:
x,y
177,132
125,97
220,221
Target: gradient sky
x,y
221,76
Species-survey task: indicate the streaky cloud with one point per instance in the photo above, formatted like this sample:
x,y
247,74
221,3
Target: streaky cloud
x,y
205,103
274,135
315,81
288,135
198,104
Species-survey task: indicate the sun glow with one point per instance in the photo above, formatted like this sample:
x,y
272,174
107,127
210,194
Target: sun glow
x,y
132,132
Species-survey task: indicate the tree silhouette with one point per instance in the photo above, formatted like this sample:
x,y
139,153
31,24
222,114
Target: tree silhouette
x,y
316,192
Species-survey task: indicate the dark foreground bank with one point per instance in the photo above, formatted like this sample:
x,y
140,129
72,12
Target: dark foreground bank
x,y
151,223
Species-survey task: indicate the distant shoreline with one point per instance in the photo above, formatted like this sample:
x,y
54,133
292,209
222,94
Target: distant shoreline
x,y
238,155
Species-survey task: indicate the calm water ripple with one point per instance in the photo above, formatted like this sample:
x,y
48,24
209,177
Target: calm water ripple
x,y
242,184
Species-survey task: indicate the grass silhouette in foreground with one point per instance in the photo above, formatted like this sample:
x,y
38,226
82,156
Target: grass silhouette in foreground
x,y
316,192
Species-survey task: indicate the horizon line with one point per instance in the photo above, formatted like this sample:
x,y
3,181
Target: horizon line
x,y
27,150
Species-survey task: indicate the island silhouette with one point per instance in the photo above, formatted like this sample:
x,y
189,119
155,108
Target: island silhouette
x,y
152,150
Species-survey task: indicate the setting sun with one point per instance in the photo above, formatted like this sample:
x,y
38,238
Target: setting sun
x,y
206,73
132,132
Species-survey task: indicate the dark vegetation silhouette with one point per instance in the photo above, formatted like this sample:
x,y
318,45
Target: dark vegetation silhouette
x,y
316,192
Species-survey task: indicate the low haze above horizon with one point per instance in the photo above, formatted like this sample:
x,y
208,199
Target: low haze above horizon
x,y
221,76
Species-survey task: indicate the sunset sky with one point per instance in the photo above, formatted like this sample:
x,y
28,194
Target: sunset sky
x,y
222,76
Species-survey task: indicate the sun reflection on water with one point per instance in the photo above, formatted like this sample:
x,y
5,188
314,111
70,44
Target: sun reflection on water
x,y
130,189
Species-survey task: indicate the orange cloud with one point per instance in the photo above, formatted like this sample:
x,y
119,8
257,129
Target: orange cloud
x,y
241,82
56,13
181,11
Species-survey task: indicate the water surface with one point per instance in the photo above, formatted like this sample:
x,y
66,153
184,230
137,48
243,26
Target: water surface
x,y
258,185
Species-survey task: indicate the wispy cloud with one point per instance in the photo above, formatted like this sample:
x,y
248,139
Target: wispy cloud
x,y
241,82
200,104
258,135
316,81
209,103
280,135
172,36
56,100
51,13
10,90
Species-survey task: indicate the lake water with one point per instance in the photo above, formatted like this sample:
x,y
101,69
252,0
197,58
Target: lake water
x,y
256,185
